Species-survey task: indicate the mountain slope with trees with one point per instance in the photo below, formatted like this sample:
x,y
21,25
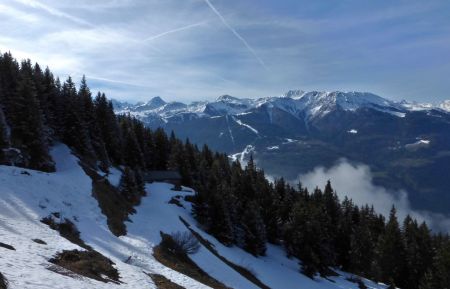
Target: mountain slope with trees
x,y
236,204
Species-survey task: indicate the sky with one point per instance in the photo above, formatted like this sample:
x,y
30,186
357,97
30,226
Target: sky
x,y
189,50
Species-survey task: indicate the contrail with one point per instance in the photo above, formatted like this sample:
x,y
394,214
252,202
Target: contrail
x,y
252,51
54,11
174,31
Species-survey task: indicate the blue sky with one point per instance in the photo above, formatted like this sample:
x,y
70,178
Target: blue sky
x,y
199,49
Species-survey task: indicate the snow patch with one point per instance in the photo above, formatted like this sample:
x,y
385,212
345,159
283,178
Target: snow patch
x,y
238,121
421,143
241,155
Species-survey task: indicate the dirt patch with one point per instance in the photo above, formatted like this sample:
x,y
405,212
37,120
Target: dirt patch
x,y
90,264
183,264
246,273
162,282
6,246
66,229
3,282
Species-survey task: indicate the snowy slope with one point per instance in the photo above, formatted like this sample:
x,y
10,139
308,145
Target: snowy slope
x,y
26,196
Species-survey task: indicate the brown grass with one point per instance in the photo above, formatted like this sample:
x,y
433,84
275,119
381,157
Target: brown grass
x,y
112,203
90,264
246,273
162,282
184,265
66,229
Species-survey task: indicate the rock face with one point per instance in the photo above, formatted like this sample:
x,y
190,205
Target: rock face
x,y
406,144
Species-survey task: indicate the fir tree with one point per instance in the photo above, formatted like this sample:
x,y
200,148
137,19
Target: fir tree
x,y
390,262
4,139
91,126
27,130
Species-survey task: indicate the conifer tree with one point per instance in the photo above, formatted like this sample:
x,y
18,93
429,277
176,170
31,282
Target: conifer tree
x,y
128,186
390,262
133,156
4,139
109,128
253,229
91,126
76,132
27,130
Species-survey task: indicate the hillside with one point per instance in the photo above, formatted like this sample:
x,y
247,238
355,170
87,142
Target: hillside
x,y
27,196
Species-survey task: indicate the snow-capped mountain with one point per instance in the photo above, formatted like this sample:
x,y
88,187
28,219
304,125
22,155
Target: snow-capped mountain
x,y
300,104
445,105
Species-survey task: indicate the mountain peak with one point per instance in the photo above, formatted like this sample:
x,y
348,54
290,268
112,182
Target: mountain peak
x,y
445,105
156,101
227,97
153,103
295,93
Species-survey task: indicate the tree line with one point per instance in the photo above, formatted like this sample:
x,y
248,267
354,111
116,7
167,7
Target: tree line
x,y
234,203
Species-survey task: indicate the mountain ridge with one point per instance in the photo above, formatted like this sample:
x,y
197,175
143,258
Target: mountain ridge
x,y
312,103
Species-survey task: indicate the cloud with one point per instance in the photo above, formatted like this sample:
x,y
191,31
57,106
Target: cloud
x,y
356,182
54,11
335,49
252,51
174,31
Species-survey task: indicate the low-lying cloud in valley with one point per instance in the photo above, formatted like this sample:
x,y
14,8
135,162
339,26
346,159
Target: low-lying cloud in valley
x,y
356,182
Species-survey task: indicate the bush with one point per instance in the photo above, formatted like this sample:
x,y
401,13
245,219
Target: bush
x,y
358,281
66,229
180,243
90,264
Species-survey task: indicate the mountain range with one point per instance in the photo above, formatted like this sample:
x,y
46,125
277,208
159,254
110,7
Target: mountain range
x,y
406,144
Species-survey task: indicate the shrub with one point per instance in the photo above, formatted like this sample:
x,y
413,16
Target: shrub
x,y
87,263
180,243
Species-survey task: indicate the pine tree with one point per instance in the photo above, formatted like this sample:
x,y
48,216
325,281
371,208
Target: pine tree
x,y
27,129
109,128
220,224
162,149
89,120
9,79
418,251
132,153
254,230
361,250
128,186
4,138
76,131
390,261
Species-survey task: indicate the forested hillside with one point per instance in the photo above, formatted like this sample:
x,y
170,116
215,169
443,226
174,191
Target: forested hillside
x,y
236,204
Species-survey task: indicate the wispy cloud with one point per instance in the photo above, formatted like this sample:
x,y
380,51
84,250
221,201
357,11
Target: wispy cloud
x,y
252,51
53,11
172,48
162,34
